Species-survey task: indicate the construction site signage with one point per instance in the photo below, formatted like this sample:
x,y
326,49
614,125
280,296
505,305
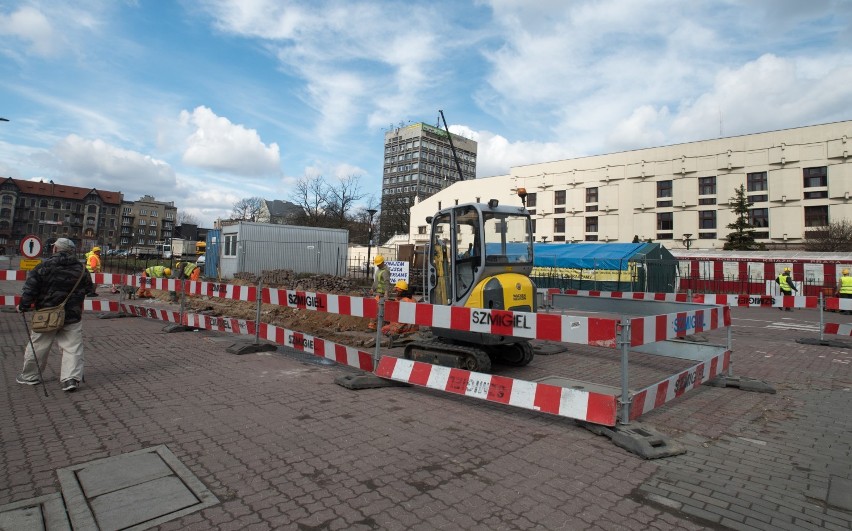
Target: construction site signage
x,y
28,264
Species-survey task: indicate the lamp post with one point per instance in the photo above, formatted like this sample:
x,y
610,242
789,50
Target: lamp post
x,y
371,212
687,240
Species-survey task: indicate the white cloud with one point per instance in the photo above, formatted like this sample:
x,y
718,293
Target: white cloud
x,y
219,145
96,164
496,154
31,26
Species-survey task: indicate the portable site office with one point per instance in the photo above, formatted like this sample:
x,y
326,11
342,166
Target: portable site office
x,y
255,247
647,267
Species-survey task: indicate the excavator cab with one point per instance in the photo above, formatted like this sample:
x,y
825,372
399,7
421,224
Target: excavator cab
x,y
479,256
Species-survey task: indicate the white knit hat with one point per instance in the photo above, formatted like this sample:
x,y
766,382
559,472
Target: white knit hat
x,y
64,244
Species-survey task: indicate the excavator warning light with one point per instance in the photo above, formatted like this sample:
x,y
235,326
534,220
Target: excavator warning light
x,y
492,203
522,193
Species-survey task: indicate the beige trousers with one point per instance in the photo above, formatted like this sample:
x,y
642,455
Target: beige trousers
x,y
70,341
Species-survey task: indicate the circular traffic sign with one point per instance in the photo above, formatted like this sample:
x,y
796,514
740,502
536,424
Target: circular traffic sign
x,y
31,246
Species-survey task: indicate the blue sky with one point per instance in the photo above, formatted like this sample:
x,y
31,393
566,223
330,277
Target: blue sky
x,y
210,101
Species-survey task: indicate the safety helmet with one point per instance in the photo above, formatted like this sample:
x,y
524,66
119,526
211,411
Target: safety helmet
x,y
786,269
379,260
167,272
96,249
401,285
845,271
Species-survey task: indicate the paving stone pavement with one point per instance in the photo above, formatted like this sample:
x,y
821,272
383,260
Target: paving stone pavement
x,y
283,447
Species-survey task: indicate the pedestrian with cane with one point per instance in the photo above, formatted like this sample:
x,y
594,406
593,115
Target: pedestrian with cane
x,y
59,280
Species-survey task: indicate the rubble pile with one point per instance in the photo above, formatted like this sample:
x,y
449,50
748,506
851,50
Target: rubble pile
x,y
288,279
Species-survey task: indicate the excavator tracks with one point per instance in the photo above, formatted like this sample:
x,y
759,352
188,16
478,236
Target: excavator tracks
x,y
449,355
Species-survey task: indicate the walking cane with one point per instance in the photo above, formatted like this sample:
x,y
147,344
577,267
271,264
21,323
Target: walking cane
x,y
38,365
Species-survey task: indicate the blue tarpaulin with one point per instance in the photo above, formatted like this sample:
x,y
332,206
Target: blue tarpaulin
x,y
613,256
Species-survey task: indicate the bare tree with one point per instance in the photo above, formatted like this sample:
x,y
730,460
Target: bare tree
x,y
341,199
247,209
185,218
832,238
311,193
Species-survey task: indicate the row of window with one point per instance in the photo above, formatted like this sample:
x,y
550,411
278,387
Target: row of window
x,y
816,216
816,177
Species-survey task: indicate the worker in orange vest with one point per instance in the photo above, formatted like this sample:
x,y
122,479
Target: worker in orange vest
x,y
403,294
157,271
93,265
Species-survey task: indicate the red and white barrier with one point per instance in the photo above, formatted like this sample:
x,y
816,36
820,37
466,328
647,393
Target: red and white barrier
x,y
221,324
151,313
838,329
634,295
219,289
838,304
572,403
644,330
8,274
100,305
658,394
10,300
321,302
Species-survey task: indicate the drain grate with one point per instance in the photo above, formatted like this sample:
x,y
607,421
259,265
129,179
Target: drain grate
x,y
136,491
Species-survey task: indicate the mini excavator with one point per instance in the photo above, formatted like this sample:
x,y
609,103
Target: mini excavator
x,y
479,256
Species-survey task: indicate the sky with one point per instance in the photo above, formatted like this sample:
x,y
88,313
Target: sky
x,y
206,102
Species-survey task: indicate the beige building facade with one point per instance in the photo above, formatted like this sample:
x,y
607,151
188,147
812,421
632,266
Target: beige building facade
x,y
678,195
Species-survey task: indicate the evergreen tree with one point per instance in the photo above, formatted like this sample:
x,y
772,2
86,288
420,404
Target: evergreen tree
x,y
742,237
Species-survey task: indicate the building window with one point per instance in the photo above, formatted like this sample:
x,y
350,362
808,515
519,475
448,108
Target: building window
x,y
756,182
706,219
664,190
707,185
559,225
706,235
707,201
591,195
758,198
530,200
421,229
559,197
664,221
560,238
592,224
815,178
816,216
230,248
591,237
758,217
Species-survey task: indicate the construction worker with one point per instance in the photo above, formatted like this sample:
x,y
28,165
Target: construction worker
x,y
93,265
157,271
785,283
381,283
403,294
844,288
185,271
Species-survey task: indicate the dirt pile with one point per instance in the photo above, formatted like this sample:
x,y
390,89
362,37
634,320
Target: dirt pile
x,y
343,329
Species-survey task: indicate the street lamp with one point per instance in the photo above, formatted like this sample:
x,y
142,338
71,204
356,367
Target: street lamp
x,y
371,212
687,240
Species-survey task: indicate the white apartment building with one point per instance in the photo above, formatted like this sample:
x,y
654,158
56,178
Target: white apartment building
x,y
795,179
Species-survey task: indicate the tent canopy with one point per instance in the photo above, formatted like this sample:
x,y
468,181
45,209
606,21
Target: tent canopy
x,y
588,255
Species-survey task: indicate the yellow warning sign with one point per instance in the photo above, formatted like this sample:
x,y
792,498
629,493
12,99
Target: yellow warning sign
x,y
28,264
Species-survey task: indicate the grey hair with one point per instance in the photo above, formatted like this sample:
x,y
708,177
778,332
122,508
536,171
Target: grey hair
x,y
64,244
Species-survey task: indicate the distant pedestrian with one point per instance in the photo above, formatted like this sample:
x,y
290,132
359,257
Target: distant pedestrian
x,y
786,284
48,284
93,265
381,283
844,291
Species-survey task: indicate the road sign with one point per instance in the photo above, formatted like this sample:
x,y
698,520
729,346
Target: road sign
x,y
31,246
28,264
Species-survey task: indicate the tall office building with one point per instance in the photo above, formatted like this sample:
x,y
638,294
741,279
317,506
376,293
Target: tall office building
x,y
418,163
